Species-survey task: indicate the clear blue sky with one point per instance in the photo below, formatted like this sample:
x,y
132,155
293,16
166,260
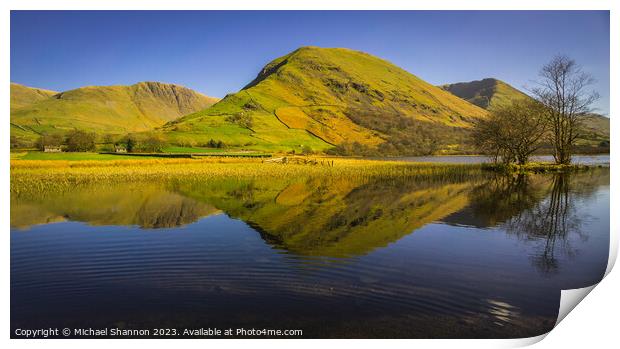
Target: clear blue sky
x,y
219,52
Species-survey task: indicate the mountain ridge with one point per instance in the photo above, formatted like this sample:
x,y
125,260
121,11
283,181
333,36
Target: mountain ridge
x,y
115,109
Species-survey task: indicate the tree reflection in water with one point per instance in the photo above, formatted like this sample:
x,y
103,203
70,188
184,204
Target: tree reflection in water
x,y
550,222
503,197
539,209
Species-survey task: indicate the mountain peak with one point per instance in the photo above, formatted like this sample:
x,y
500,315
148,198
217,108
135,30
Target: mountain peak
x,y
322,97
312,57
485,93
22,95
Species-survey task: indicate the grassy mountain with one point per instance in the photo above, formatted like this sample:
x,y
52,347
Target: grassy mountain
x,y
105,109
323,97
22,96
597,124
595,132
485,93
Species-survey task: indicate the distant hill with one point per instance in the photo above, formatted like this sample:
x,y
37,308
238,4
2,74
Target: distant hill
x,y
598,124
103,109
491,92
22,96
485,93
324,97
594,132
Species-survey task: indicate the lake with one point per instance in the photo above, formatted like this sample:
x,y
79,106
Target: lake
x,y
457,256
597,159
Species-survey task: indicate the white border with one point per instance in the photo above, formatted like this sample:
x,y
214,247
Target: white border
x,y
598,319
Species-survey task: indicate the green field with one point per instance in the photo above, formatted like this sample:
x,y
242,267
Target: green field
x,y
179,149
171,151
38,155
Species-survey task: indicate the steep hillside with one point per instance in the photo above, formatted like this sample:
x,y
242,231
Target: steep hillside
x,y
108,109
485,93
323,97
22,96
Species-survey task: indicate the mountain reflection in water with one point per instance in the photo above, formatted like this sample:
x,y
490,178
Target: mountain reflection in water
x,y
401,255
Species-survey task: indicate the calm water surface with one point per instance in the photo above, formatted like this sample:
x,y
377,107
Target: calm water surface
x,y
477,255
602,159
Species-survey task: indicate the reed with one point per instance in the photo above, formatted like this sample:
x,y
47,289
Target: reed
x,y
34,175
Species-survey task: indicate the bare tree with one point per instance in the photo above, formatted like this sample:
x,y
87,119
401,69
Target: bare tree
x,y
512,132
564,90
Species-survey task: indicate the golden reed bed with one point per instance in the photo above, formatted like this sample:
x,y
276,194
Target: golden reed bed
x,y
42,175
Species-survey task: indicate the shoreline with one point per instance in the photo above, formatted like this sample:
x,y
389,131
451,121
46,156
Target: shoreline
x,y
536,167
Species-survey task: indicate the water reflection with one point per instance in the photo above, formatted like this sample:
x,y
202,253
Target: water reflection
x,y
538,209
335,217
458,254
147,206
502,197
549,222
